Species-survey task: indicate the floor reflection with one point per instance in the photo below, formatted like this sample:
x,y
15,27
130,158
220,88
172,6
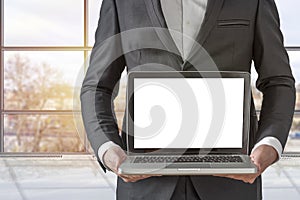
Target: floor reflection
x,y
80,177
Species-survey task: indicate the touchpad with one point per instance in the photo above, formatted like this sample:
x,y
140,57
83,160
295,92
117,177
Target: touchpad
x,y
182,165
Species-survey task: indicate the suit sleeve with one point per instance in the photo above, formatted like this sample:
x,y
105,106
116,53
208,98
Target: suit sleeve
x,y
275,79
101,82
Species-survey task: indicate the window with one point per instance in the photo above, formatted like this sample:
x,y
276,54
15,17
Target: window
x,y
44,45
43,48
288,11
43,23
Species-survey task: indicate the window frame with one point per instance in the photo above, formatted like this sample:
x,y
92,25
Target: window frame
x,y
85,48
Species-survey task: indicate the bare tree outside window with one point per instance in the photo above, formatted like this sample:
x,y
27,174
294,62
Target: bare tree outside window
x,y
30,86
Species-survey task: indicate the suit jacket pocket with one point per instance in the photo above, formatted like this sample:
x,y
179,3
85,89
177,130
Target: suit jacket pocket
x,y
233,23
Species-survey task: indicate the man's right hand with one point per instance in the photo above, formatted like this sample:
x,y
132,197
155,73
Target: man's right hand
x,y
113,158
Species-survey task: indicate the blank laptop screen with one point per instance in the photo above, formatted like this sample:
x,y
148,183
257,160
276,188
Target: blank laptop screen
x,y
188,112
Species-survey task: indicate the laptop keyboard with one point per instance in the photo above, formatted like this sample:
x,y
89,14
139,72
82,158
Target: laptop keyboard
x,y
185,159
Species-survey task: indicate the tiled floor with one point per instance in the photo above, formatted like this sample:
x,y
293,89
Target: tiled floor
x,y
80,178
282,180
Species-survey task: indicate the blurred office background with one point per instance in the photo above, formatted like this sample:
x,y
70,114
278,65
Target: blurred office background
x,y
44,152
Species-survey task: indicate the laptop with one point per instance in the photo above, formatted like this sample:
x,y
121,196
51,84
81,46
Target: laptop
x,y
188,123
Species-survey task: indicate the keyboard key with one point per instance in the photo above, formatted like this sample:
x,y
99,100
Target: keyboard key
x,y
185,159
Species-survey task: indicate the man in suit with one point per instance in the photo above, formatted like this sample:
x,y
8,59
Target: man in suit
x,y
233,33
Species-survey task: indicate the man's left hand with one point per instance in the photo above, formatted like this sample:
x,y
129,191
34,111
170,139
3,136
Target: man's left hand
x,y
263,156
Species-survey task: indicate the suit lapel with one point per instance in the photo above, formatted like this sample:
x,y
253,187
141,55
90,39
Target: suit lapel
x,y
157,19
212,12
158,12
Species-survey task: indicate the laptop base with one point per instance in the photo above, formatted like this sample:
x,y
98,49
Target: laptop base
x,y
187,168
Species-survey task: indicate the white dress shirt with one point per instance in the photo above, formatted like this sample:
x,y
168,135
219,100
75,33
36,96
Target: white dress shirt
x,y
184,19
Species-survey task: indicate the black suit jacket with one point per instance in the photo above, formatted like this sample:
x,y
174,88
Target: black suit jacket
x,y
131,34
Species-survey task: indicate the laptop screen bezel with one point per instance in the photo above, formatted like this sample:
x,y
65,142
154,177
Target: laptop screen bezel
x,y
184,74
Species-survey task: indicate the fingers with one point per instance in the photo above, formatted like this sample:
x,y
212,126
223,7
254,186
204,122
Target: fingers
x,y
247,178
264,156
133,178
113,158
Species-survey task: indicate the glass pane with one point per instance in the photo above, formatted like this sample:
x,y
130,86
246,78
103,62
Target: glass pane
x,y
41,133
293,142
257,95
289,13
43,23
295,65
41,80
94,12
